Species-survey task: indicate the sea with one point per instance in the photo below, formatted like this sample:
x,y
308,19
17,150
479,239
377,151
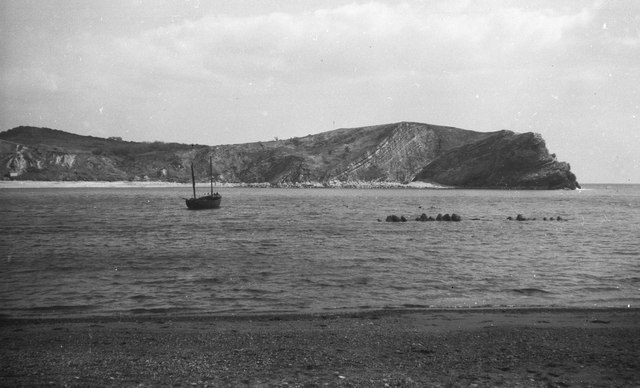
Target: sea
x,y
134,251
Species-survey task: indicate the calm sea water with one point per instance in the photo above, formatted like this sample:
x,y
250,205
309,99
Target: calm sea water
x,y
128,251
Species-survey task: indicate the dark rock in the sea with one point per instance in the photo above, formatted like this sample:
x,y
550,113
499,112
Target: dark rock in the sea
x,y
423,218
394,218
520,217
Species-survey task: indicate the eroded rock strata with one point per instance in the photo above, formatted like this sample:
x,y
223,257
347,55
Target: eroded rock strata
x,y
393,153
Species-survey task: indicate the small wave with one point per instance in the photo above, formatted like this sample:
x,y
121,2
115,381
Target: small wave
x,y
600,289
629,252
529,291
360,280
140,297
415,306
406,306
260,253
160,310
398,287
65,308
213,280
259,291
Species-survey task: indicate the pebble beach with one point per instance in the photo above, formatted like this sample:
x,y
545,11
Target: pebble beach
x,y
390,348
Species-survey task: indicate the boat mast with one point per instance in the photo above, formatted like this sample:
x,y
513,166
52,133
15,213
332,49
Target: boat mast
x,y
193,182
211,173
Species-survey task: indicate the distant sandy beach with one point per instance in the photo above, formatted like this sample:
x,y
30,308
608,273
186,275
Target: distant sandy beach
x,y
72,184
477,348
150,184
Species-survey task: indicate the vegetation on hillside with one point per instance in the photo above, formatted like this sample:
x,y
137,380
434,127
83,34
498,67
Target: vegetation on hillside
x,y
399,152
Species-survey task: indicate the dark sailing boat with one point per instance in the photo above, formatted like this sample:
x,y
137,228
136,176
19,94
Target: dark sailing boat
x,y
210,201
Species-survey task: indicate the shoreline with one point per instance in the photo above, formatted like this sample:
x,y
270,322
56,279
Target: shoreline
x,y
526,347
264,185
17,184
88,184
302,316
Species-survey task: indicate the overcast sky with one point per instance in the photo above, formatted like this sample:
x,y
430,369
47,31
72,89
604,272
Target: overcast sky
x,y
222,72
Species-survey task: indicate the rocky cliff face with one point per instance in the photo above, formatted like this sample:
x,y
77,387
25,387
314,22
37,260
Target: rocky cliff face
x,y
400,152
394,152
30,153
503,160
404,150
42,164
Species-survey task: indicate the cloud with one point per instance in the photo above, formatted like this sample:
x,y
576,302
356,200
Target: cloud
x,y
215,69
30,81
322,59
351,41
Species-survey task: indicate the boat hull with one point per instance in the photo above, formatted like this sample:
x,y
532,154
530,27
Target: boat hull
x,y
208,202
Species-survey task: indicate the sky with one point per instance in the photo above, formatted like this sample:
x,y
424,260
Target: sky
x,y
237,71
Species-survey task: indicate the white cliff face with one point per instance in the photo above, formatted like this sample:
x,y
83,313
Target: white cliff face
x,y
18,164
65,160
25,158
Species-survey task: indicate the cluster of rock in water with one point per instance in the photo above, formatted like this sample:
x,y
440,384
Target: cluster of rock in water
x,y
520,217
423,217
456,218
